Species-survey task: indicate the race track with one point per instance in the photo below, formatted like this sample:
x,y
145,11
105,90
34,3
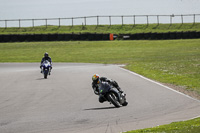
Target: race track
x,y
65,102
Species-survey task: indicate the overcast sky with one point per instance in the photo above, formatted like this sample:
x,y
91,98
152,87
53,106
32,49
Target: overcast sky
x,y
22,9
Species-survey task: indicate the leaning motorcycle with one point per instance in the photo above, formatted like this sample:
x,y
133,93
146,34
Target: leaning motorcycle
x,y
46,68
112,95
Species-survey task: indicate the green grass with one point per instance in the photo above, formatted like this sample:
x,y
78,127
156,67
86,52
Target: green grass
x,y
190,126
116,29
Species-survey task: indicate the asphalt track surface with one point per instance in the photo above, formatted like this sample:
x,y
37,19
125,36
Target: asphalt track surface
x,y
65,102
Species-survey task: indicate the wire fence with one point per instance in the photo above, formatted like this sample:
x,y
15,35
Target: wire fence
x,y
103,20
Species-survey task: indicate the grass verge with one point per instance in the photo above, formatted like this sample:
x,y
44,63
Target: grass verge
x,y
116,29
190,126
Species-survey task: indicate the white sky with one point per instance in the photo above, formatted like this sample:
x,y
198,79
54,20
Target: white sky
x,y
28,9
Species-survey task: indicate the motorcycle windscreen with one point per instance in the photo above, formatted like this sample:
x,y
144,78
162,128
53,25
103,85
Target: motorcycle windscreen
x,y
104,88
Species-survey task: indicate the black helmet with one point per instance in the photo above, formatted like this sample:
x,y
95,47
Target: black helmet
x,y
46,54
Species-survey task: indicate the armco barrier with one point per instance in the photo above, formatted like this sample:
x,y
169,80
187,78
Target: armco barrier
x,y
22,38
91,37
76,37
30,38
160,36
105,36
6,38
197,34
154,36
172,35
179,35
98,37
1,38
61,37
83,37
192,34
38,37
67,37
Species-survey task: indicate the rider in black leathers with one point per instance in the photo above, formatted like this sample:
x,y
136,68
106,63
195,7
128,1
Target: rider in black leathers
x,y
46,57
99,82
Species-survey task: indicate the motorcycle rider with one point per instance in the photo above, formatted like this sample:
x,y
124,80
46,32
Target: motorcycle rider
x,y
48,58
99,82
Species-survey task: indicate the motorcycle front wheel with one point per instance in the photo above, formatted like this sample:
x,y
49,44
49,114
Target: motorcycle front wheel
x,y
45,74
112,97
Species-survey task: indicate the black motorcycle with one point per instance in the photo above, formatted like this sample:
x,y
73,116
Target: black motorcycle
x,y
112,95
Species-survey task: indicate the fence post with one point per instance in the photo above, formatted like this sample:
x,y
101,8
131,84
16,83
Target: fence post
x,y
110,20
134,20
97,20
33,23
170,19
85,20
5,23
122,20
171,16
46,22
72,22
59,22
147,20
19,24
194,19
158,19
182,18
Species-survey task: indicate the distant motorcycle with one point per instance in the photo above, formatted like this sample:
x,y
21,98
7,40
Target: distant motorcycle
x,y
112,95
46,68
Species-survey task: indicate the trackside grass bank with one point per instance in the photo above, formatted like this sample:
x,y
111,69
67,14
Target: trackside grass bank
x,y
116,29
191,126
174,62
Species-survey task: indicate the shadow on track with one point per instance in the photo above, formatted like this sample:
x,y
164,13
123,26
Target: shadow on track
x,y
41,79
101,108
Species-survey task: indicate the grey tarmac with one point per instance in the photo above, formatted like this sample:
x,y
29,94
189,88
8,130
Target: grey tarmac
x,y
65,102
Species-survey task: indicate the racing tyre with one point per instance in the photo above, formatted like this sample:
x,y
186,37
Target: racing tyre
x,y
45,74
112,97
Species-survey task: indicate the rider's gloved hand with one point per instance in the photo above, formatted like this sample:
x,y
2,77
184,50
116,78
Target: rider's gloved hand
x,y
119,89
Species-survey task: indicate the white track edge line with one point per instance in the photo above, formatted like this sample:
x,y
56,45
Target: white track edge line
x,y
159,84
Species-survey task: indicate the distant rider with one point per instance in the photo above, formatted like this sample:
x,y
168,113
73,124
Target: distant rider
x,y
98,82
46,57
